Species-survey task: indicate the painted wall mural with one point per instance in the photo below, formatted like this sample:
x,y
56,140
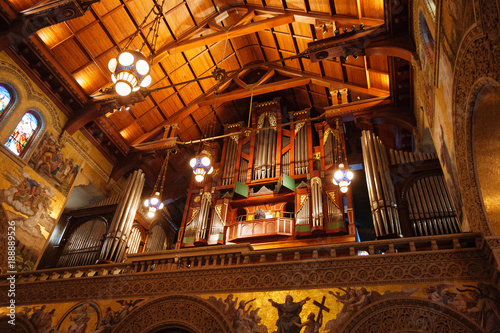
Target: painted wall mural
x,y
31,201
306,311
52,162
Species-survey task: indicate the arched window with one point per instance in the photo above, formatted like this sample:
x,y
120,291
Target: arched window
x,y
5,99
19,139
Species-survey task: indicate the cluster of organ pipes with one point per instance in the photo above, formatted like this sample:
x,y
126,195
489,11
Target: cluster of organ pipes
x,y
274,161
423,193
317,201
230,163
83,245
380,187
202,221
265,153
134,241
301,157
285,163
332,145
243,170
116,240
429,204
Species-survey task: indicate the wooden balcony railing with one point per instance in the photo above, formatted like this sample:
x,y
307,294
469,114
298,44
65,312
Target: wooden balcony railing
x,y
244,254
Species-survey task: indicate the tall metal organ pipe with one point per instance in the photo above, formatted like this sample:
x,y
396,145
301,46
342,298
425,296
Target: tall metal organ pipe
x,y
429,206
380,187
116,239
316,193
206,200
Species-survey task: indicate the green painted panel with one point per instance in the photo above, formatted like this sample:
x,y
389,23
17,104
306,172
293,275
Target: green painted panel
x,y
302,228
241,189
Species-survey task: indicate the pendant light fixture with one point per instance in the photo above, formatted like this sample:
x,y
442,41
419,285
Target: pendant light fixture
x,y
131,68
342,176
154,203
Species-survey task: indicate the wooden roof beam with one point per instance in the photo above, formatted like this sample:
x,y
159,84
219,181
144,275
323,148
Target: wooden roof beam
x,y
316,18
207,100
331,83
236,31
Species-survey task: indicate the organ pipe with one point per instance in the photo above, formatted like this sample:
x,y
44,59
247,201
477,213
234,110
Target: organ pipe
x,y
380,187
83,244
134,241
317,200
156,240
426,197
301,165
230,163
116,239
201,231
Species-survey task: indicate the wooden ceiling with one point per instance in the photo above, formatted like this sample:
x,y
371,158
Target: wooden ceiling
x,y
197,36
192,42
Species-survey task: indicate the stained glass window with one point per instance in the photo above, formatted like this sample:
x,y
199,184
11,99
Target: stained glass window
x,y
22,134
4,98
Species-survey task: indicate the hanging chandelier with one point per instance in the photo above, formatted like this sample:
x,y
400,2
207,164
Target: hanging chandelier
x,y
154,203
342,177
131,68
202,166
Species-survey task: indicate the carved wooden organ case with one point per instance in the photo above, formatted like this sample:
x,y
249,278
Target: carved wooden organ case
x,y
272,184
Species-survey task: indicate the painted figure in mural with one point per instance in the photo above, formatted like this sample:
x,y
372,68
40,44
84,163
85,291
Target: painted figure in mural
x,y
288,313
244,319
354,300
241,321
106,323
230,305
30,198
482,304
36,315
80,321
311,325
45,322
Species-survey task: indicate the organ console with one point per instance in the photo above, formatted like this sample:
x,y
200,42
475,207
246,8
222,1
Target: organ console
x,y
272,183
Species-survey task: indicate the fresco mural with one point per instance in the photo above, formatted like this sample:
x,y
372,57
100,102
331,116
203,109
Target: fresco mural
x,y
33,206
49,160
323,311
31,201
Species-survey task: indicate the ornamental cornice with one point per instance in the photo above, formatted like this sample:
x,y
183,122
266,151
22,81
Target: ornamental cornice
x,y
397,269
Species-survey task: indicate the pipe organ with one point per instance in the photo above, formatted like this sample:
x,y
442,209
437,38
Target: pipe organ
x,y
84,244
271,184
157,239
408,192
134,241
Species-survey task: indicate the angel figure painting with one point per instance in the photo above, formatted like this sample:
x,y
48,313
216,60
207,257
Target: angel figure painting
x,y
50,162
29,204
31,199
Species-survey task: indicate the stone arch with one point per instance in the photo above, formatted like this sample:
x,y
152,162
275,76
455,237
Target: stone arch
x,y
190,312
409,315
476,68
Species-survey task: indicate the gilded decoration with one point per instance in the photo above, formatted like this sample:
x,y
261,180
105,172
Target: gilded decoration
x,y
476,68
